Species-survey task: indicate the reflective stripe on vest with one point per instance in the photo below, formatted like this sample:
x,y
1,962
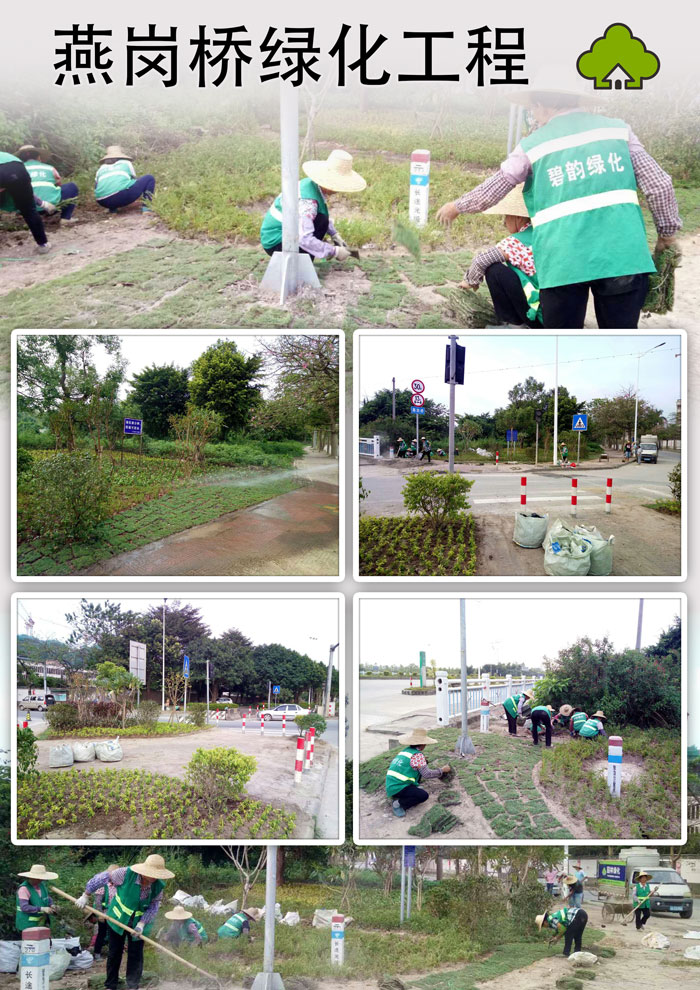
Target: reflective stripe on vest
x,y
596,201
394,773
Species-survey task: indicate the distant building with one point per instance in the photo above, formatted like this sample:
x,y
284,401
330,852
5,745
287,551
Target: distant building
x,y
693,816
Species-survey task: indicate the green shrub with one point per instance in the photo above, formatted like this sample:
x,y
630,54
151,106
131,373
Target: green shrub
x,y
197,713
26,753
69,496
25,461
63,716
219,775
146,715
438,497
674,482
528,900
312,720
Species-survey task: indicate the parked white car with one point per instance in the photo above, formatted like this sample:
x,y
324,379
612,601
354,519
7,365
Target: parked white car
x,y
275,714
35,702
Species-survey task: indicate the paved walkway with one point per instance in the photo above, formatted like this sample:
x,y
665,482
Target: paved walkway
x,y
295,534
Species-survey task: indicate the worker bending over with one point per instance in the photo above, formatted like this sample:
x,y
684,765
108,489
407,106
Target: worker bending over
x,y
406,770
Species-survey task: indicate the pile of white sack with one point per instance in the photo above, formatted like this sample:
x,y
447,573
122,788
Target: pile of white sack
x,y
572,550
65,755
198,902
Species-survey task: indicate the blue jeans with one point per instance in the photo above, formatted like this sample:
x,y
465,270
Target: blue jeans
x,y
576,900
69,190
144,187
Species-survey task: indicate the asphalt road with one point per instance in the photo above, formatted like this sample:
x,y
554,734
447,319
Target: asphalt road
x,y
497,491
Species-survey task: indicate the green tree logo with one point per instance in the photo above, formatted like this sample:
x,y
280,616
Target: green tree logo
x,y
618,60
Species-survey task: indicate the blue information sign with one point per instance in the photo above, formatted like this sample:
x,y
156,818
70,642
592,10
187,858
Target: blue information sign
x,y
186,666
275,689
580,421
133,427
511,436
409,856
418,410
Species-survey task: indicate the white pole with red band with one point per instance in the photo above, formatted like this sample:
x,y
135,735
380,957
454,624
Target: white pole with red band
x,y
608,495
496,458
523,490
284,724
337,939
243,722
419,194
310,740
574,495
299,763
485,704
35,957
262,726
615,765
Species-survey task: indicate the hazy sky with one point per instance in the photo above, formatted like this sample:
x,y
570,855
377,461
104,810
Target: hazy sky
x,y
514,630
309,626
597,366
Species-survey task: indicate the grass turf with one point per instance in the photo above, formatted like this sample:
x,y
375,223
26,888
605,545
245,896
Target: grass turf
x,y
407,546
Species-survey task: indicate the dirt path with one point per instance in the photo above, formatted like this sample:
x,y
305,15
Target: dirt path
x,y
272,782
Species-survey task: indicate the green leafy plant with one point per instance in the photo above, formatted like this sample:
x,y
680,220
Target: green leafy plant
x,y
26,753
674,482
437,497
312,720
219,775
70,495
197,713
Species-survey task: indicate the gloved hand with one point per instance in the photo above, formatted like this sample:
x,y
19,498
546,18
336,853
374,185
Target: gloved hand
x,y
48,208
337,239
82,900
341,254
48,910
139,928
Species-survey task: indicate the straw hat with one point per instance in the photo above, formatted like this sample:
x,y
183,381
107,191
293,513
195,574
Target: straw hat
x,y
549,708
39,872
335,173
255,914
418,737
599,714
539,920
529,694
178,914
29,149
647,876
512,205
115,151
566,710
570,878
153,867
554,79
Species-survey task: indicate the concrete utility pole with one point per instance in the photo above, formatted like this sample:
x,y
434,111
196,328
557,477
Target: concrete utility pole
x,y
640,616
393,398
268,979
163,688
453,372
329,675
555,451
636,391
287,270
464,746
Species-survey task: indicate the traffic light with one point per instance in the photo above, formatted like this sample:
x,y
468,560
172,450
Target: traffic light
x,y
459,364
538,415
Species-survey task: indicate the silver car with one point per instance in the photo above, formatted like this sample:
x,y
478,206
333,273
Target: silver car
x,y
275,714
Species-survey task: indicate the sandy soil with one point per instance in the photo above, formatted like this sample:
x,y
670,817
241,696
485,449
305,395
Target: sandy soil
x,y
272,782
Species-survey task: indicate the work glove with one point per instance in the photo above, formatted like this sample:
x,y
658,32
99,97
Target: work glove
x,y
447,213
446,769
139,928
337,239
47,207
341,254
82,900
48,910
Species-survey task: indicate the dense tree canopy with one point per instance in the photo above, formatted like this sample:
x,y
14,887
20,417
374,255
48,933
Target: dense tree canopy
x,y
227,382
160,392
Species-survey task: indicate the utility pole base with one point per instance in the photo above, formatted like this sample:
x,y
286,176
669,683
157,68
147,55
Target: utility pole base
x,y
464,746
280,275
268,981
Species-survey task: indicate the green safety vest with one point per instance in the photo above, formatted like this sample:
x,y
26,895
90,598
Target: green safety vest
x,y
188,936
529,283
562,918
271,229
127,906
4,158
400,773
37,898
578,720
43,181
641,892
589,729
541,708
234,926
582,199
511,704
114,178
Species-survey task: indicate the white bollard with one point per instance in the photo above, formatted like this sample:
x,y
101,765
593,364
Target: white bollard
x,y
299,762
262,726
497,455
337,939
419,187
310,749
608,495
284,724
523,490
485,704
615,765
244,723
574,495
35,958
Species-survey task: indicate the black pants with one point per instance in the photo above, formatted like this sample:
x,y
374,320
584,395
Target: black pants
x,y
278,247
410,796
134,960
102,929
508,296
641,916
14,179
541,718
618,303
425,453
512,723
574,933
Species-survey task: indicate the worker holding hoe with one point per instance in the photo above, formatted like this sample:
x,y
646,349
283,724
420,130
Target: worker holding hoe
x,y
184,928
100,900
569,922
593,726
138,892
509,267
580,172
408,768
513,708
17,196
46,182
335,175
239,923
642,894
33,903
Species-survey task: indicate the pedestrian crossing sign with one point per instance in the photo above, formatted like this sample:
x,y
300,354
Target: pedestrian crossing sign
x,y
580,421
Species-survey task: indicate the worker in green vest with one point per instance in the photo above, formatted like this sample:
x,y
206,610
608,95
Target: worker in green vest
x,y
642,899
593,726
513,707
239,923
33,903
408,768
138,892
46,182
17,196
563,717
581,171
403,447
100,900
184,928
335,175
578,720
569,922
117,185
541,716
509,267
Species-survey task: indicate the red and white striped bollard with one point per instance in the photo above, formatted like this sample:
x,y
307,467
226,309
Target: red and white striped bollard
x,y
496,458
608,495
523,490
262,726
284,724
243,721
299,762
574,495
309,749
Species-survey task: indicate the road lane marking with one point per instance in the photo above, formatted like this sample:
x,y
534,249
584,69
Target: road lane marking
x,y
532,498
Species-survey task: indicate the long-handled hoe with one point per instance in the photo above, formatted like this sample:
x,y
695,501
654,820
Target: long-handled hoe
x,y
626,920
144,938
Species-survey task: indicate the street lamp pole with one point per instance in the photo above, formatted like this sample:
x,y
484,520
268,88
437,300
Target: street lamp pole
x,y
555,451
329,675
162,700
636,391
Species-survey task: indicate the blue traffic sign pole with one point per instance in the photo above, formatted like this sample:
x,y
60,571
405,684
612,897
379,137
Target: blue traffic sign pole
x,y
579,424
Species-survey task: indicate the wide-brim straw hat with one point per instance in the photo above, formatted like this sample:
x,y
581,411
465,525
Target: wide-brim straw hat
x,y
115,151
418,737
645,876
29,149
512,205
570,878
178,914
555,79
599,714
254,914
539,920
39,872
566,710
529,694
153,867
335,173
